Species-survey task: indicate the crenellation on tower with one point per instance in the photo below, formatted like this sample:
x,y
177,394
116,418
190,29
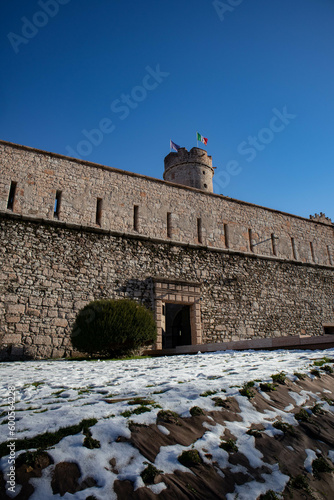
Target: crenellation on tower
x,y
190,168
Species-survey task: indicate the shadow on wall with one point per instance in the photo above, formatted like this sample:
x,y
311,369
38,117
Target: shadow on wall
x,y
140,290
13,353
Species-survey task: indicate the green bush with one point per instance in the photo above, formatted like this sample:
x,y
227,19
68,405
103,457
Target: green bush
x,y
113,327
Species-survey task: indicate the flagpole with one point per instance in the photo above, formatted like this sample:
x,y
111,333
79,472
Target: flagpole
x,y
197,139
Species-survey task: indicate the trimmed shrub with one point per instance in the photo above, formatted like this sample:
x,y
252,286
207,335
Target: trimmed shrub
x,y
113,327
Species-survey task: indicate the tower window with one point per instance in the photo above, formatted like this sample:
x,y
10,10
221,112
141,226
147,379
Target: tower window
x,y
136,218
273,242
250,236
11,196
56,209
169,225
294,250
226,235
199,231
98,211
312,251
329,256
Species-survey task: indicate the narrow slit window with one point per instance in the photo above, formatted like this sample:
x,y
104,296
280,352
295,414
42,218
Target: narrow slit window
x,y
98,211
273,241
199,230
294,250
250,236
136,218
56,210
227,236
169,225
11,196
329,256
312,251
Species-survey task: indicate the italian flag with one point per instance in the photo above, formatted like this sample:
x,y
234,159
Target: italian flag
x,y
202,139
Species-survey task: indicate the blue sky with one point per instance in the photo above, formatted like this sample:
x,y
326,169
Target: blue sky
x,y
253,76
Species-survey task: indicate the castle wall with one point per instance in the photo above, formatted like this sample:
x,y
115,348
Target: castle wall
x,y
225,223
49,272
261,272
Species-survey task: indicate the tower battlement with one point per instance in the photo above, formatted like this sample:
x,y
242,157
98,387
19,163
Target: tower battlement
x,y
190,168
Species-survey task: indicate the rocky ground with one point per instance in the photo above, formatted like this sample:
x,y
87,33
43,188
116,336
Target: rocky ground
x,y
297,459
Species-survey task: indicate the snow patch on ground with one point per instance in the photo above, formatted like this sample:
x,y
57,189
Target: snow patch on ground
x,y
310,456
70,391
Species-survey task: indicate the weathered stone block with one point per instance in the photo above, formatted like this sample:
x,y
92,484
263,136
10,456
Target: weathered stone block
x,y
20,328
61,322
35,301
11,338
33,312
42,340
13,319
58,353
15,309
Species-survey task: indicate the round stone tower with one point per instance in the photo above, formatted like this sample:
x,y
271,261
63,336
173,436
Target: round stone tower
x,y
190,168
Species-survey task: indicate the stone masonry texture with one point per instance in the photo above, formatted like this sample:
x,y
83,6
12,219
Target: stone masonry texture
x,y
253,283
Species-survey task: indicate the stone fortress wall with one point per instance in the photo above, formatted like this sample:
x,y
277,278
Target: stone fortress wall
x,y
225,223
73,231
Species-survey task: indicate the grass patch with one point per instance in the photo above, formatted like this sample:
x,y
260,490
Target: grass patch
x,y
190,458
137,411
317,409
328,400
267,387
246,389
279,378
300,376
322,361
269,495
149,474
192,489
315,372
168,416
328,369
48,439
284,427
37,384
254,432
299,483
229,446
208,393
41,411
302,416
319,362
89,442
195,411
219,402
320,465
